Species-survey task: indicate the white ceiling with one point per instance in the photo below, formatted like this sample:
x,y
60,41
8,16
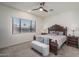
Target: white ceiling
x,y
57,6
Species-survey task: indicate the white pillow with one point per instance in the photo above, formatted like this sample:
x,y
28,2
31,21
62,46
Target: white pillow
x,y
60,33
53,33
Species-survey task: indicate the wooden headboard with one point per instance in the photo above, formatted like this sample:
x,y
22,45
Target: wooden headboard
x,y
58,28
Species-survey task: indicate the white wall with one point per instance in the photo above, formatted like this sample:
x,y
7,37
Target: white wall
x,y
6,37
68,18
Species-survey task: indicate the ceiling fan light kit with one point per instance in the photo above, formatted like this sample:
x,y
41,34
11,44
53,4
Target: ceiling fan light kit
x,y
41,9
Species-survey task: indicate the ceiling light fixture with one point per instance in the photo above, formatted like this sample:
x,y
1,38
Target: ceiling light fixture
x,y
41,9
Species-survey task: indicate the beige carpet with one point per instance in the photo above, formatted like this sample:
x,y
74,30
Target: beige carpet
x,y
24,50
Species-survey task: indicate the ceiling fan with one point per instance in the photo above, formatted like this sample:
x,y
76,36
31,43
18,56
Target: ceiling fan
x,y
41,8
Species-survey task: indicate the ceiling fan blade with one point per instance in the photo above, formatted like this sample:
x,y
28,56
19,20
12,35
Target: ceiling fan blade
x,y
45,10
35,9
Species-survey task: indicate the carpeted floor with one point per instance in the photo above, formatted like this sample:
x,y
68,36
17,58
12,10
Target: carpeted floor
x,y
24,50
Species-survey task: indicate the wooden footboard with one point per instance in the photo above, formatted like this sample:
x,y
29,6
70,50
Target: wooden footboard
x,y
53,47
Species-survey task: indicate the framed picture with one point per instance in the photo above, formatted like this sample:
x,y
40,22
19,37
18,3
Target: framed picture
x,y
20,25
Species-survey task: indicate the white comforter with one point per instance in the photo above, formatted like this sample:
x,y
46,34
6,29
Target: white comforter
x,y
60,38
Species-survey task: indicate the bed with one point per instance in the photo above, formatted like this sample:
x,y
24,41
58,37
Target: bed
x,y
56,34
60,34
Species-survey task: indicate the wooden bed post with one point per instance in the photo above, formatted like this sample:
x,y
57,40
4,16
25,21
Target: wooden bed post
x,y
66,31
56,52
50,45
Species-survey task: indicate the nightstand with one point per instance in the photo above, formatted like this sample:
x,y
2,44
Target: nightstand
x,y
72,41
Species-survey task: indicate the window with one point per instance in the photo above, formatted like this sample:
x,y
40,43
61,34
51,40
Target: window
x,y
20,25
